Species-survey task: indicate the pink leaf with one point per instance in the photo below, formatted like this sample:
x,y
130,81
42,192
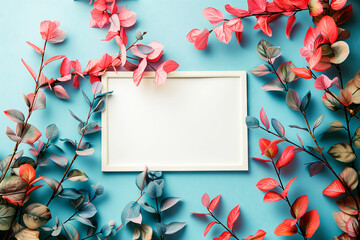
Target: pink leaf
x,y
205,200
155,55
263,23
31,71
213,15
352,228
309,223
53,59
50,31
65,67
290,22
264,119
235,24
99,18
259,235
315,58
139,72
335,189
338,4
162,71
286,157
214,203
260,159
202,39
236,11
60,92
208,227
223,33
272,197
192,35
287,187
36,48
233,216
267,184
127,18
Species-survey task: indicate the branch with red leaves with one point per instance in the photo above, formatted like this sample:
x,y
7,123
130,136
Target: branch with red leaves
x,y
231,220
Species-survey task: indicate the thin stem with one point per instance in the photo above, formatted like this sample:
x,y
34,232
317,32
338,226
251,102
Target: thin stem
x,y
158,214
286,198
75,155
95,234
277,75
219,222
23,127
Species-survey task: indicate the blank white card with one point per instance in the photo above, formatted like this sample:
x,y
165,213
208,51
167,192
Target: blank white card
x,y
193,122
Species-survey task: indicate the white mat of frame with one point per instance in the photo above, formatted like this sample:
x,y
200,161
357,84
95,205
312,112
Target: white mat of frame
x,y
194,122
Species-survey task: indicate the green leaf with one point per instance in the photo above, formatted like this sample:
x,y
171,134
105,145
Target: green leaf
x,y
318,121
174,227
13,187
15,115
261,48
334,126
36,215
76,175
146,232
285,75
52,132
71,232
350,177
293,100
342,152
7,214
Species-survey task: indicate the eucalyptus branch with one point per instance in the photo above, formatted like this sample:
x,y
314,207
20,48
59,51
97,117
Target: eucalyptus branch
x,y
75,155
30,110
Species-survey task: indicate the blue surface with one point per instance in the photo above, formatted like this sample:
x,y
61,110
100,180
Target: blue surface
x,y
168,22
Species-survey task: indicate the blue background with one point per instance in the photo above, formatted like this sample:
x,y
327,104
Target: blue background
x,y
168,22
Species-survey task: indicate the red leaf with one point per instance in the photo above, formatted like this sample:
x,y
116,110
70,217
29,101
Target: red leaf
x,y
192,35
202,39
33,189
264,119
36,180
338,4
31,71
36,48
286,157
259,235
263,23
260,159
224,236
267,184
238,36
236,11
233,216
257,6
205,200
213,15
271,151
286,228
194,213
290,22
310,222
272,197
208,227
300,206
27,173
287,187
302,72
335,189
328,28
53,59
162,71
214,203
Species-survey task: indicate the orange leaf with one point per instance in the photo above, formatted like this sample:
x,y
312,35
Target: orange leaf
x,y
335,189
27,173
310,222
300,206
286,228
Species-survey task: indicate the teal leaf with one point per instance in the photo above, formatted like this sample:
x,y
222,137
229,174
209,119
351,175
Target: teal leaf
x,y
174,227
84,221
70,193
147,207
88,210
168,203
131,210
305,101
52,132
154,190
252,122
71,231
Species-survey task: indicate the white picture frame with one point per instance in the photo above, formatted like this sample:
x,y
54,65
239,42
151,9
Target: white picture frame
x,y
149,125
